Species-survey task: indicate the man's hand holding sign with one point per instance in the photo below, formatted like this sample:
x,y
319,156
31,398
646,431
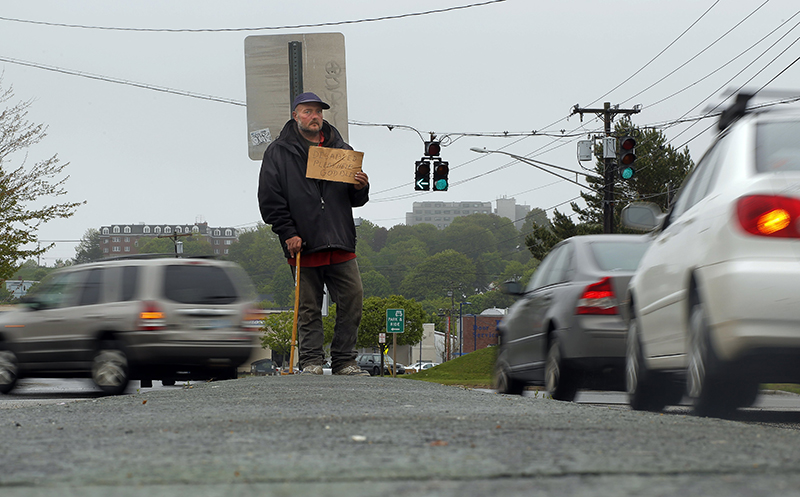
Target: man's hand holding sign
x,y
336,164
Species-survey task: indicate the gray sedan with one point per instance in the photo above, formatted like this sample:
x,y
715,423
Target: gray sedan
x,y
565,331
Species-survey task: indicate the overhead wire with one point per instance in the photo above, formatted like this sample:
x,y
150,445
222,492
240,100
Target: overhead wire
x,y
261,28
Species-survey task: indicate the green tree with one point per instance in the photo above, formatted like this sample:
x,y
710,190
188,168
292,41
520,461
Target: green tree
x,y
259,252
375,284
660,170
536,217
192,246
545,238
447,271
278,333
398,258
373,320
88,250
24,189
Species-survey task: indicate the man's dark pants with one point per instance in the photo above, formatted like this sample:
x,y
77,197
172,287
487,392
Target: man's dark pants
x,y
344,284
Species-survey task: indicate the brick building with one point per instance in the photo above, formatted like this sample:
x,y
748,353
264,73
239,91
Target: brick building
x,y
123,239
480,330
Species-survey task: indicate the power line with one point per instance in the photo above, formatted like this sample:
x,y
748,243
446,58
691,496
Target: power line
x,y
262,28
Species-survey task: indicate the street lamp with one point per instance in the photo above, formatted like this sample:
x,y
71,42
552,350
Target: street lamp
x,y
461,328
535,163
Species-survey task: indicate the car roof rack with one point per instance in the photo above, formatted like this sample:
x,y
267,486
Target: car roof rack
x,y
736,110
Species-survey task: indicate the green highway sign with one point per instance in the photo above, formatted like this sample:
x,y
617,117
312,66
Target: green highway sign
x,y
395,320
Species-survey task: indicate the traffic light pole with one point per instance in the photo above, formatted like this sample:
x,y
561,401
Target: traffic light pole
x,y
609,171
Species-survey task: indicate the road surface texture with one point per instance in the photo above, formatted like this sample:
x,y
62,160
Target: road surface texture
x,y
367,436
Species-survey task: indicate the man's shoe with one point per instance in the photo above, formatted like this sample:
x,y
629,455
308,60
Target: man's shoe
x,y
312,369
351,370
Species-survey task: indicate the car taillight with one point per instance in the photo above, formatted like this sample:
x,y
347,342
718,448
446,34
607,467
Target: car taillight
x,y
253,319
598,298
769,215
151,318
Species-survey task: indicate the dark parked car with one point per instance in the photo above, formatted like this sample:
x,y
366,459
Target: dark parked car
x,y
565,331
372,364
136,318
263,367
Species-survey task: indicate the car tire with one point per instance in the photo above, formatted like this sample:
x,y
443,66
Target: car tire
x,y
504,382
110,368
559,380
168,383
375,371
647,390
711,393
9,370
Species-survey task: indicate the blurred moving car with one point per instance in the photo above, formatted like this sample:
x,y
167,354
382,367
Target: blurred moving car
x,y
371,362
132,318
715,305
565,331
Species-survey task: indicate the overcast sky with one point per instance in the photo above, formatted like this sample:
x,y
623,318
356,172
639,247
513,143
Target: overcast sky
x,y
138,155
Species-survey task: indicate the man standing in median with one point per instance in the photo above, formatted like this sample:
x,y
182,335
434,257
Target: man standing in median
x,y
315,217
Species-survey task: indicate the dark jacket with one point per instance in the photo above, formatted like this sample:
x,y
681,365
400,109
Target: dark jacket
x,y
320,212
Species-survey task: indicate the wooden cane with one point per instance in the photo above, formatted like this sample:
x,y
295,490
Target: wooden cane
x,y
296,311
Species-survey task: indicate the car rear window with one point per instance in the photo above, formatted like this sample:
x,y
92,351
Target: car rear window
x,y
198,284
778,146
618,256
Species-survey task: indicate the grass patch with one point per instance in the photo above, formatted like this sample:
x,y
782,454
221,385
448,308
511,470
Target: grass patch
x,y
785,387
471,370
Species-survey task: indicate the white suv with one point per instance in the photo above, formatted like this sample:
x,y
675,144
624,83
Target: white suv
x,y
715,302
137,318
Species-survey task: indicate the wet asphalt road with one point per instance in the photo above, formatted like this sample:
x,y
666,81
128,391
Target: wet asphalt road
x,y
381,436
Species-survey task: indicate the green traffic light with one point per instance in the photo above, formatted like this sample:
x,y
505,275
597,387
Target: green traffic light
x,y
626,172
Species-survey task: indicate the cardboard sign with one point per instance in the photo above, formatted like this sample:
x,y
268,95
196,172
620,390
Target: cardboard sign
x,y
333,164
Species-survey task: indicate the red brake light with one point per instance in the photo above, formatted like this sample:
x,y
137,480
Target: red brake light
x,y
598,298
253,319
769,215
152,317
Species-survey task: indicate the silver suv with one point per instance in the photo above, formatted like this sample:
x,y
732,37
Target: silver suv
x,y
132,319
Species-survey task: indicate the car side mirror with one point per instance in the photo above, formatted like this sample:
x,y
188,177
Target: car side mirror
x,y
32,302
645,216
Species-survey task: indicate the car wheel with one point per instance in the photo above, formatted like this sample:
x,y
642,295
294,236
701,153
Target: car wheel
x,y
9,369
505,383
168,383
711,394
647,390
559,380
375,371
110,368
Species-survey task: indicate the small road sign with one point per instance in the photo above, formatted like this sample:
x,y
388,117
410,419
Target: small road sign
x,y
395,320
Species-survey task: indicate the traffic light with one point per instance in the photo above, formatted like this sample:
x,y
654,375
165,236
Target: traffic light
x,y
422,175
627,156
440,171
433,149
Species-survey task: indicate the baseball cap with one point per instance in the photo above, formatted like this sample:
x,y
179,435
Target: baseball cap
x,y
308,97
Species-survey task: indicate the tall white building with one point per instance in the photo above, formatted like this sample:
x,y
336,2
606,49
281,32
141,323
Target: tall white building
x,y
441,214
508,208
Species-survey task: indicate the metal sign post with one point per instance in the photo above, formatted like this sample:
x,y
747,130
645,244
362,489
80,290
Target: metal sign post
x,y
280,67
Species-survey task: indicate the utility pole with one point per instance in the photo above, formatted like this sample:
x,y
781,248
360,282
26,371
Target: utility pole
x,y
607,113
